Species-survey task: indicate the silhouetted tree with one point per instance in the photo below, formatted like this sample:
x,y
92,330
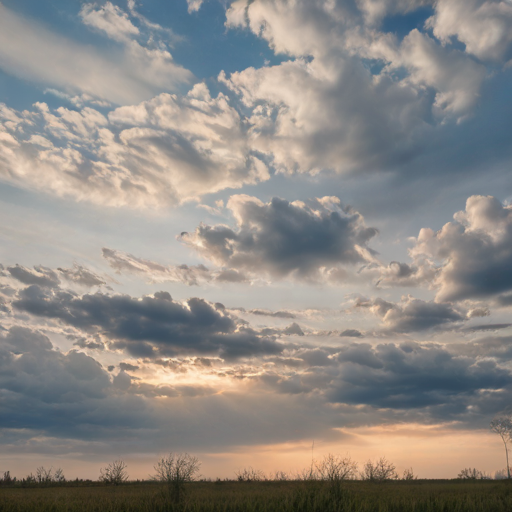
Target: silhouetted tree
x,y
502,425
48,476
175,470
115,473
379,471
335,468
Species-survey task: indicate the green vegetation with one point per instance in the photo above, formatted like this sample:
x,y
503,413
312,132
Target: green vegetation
x,y
267,496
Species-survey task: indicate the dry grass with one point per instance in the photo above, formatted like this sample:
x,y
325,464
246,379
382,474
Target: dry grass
x,y
353,496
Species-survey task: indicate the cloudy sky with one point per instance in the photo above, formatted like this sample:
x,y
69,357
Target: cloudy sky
x,y
238,227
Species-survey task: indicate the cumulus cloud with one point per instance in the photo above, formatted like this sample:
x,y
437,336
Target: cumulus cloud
x,y
41,276
29,366
110,19
474,251
412,314
151,326
30,51
194,5
49,278
412,376
483,26
69,395
163,151
352,97
430,382
420,273
284,238
351,333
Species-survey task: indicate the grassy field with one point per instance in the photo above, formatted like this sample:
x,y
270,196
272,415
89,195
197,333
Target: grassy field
x,y
354,496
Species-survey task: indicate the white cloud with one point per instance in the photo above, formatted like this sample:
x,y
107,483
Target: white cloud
x,y
194,5
456,78
326,109
474,252
127,75
484,26
163,151
110,19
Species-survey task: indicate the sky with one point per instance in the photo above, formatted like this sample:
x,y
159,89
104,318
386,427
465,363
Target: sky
x,y
257,231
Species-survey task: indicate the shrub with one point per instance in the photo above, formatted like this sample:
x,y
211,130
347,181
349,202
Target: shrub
x,y
472,474
280,476
250,475
501,474
409,474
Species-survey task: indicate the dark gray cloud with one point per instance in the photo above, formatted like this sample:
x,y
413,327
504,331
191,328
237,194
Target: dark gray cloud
x,y
424,382
266,312
40,276
274,314
294,328
70,400
231,276
496,347
489,327
84,343
412,314
283,238
351,333
419,315
29,366
412,376
127,367
150,326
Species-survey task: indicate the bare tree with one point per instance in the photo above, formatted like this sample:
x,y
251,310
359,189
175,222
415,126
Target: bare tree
x,y
7,479
502,425
115,473
48,476
175,470
379,471
43,475
335,468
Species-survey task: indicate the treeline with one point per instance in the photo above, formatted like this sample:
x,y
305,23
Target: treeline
x,y
175,469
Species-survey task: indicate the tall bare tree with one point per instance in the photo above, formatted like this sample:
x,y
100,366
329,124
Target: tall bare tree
x,y
502,425
115,473
175,470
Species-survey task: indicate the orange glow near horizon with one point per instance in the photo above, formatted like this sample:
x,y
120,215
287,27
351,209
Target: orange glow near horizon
x,y
432,451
